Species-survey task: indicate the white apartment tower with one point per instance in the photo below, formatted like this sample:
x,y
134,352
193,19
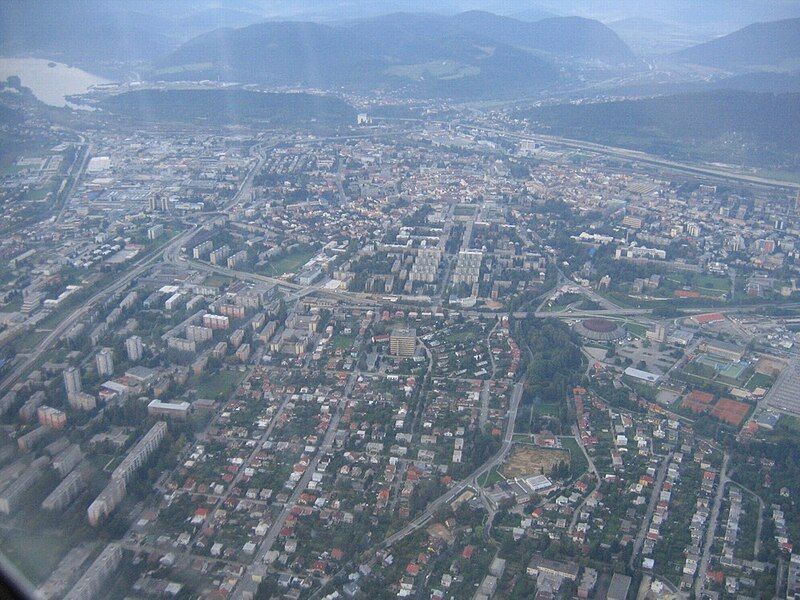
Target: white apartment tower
x,y
133,346
72,381
105,362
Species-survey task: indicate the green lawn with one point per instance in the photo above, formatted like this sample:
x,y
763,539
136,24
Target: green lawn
x,y
462,335
216,280
463,210
217,385
706,284
552,409
440,69
637,330
790,423
289,263
759,380
491,477
30,339
343,341
35,553
578,462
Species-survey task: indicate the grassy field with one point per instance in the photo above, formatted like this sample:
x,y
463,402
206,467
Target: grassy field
x,y
578,461
701,281
759,380
289,263
462,335
29,340
343,341
440,69
219,385
216,280
792,423
34,553
491,477
464,210
637,330
551,409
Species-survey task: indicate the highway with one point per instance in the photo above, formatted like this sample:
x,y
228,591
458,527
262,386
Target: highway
x,y
642,157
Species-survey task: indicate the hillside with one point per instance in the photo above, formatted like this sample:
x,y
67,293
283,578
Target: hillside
x,y
775,44
474,53
79,33
652,37
728,126
573,37
227,106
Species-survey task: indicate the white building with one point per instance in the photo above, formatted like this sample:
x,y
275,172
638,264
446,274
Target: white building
x,y
105,362
134,348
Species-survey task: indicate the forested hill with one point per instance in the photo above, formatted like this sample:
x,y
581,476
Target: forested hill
x,y
727,126
226,106
774,44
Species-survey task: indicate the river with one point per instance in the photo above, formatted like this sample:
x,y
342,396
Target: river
x,y
50,82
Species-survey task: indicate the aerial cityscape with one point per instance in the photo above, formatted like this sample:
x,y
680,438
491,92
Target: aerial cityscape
x,y
396,303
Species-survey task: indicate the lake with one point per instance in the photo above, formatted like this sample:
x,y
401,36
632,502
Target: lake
x,y
50,84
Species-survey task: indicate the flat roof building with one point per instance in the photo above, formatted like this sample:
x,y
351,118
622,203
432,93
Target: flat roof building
x,y
96,576
175,410
403,341
784,395
618,590
644,376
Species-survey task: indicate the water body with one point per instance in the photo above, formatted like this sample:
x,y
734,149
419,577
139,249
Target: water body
x,y
50,82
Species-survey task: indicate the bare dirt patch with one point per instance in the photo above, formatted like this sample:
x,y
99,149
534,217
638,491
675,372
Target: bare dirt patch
x,y
441,532
527,460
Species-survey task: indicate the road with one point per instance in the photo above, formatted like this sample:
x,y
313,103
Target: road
x,y
642,157
577,435
711,527
484,414
247,586
256,449
651,507
759,526
469,481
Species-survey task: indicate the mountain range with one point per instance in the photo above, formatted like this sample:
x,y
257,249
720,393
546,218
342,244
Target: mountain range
x,y
461,55
774,45
79,33
456,55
